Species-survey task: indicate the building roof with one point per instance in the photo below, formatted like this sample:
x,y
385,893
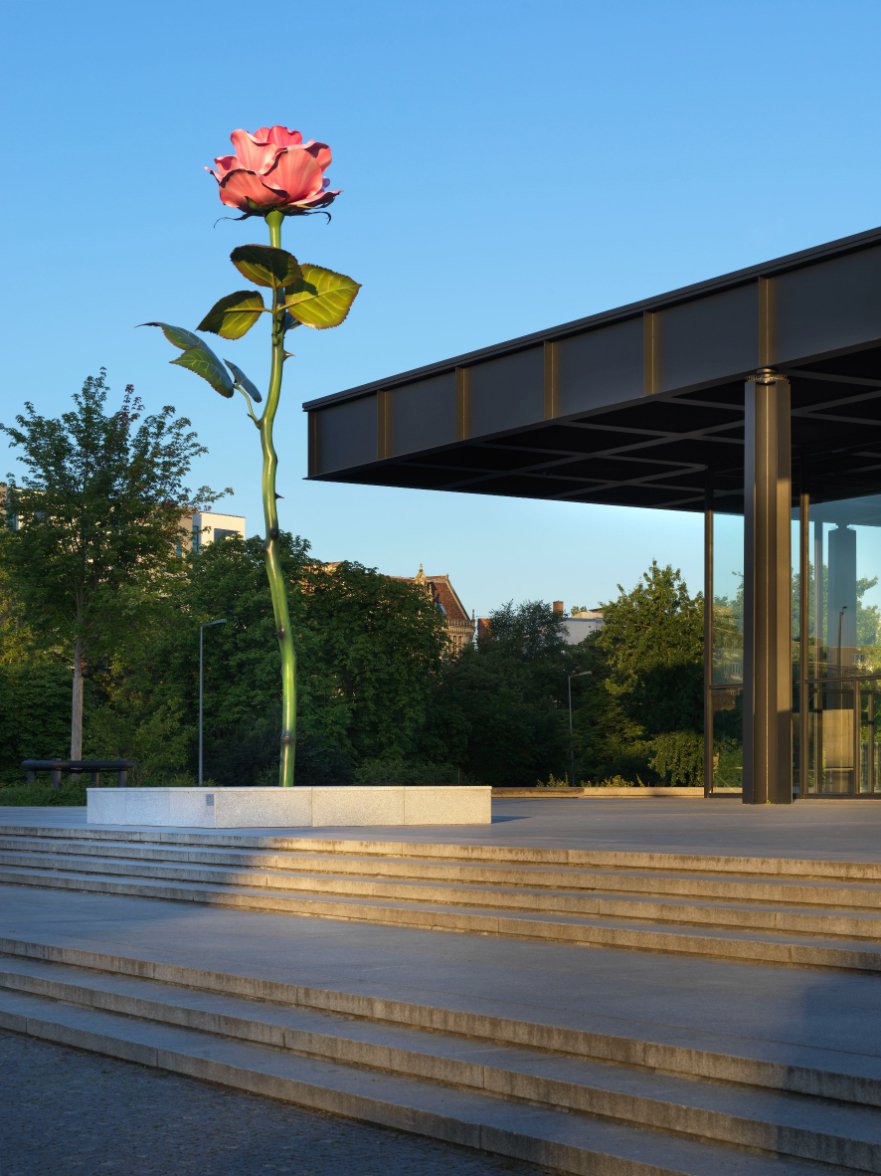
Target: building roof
x,y
443,594
641,405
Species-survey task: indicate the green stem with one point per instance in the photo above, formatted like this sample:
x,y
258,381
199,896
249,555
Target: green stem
x,y
277,587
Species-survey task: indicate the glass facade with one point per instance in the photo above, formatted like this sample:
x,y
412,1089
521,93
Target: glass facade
x,y
725,701
843,671
836,648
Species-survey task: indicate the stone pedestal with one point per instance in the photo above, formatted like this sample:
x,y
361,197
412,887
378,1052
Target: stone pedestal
x,y
297,807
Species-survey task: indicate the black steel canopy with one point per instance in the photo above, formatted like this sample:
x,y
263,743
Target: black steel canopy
x,y
639,406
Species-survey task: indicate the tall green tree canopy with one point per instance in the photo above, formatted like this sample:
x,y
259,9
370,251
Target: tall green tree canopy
x,y
652,644
371,653
499,711
531,630
369,649
97,515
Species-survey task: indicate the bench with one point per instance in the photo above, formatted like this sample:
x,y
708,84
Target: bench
x,y
93,767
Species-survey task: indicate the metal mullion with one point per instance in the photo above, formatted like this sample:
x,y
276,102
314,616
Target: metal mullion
x,y
709,765
804,645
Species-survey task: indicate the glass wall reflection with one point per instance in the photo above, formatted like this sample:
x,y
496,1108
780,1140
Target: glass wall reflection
x,y
844,650
726,685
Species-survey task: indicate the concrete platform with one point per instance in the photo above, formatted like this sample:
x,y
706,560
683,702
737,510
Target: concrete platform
x,y
247,808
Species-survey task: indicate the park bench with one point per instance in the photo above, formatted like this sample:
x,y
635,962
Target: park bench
x,y
93,767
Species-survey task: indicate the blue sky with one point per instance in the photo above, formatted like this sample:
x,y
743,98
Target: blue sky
x,y
505,166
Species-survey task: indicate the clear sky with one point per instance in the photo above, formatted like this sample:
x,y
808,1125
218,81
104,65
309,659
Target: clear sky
x,y
505,166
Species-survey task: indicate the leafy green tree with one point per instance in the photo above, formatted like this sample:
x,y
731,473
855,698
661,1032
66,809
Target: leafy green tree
x,y
137,707
499,711
368,648
531,630
149,692
33,702
242,682
99,511
17,643
652,644
372,650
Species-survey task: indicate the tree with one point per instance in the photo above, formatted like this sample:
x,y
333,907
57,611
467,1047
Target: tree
x,y
99,511
652,643
242,684
368,649
531,630
371,651
499,710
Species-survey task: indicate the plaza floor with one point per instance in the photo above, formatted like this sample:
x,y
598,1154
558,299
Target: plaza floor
x,y
820,829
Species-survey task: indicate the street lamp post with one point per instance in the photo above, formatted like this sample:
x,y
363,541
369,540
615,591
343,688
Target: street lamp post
x,y
202,628
569,677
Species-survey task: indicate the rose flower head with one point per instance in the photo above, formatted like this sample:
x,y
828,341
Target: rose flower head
x,y
274,168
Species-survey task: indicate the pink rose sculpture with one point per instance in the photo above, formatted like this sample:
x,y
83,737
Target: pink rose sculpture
x,y
274,169
273,175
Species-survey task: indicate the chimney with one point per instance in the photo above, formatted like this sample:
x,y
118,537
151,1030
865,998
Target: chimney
x,y
558,608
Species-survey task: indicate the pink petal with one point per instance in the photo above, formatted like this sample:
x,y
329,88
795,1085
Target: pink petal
x,y
252,154
279,136
320,151
297,174
238,187
326,197
225,163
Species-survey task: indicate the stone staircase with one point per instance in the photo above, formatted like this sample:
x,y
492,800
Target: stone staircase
x,y
578,1100
768,910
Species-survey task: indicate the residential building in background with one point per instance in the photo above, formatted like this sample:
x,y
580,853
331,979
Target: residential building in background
x,y
203,527
580,624
459,625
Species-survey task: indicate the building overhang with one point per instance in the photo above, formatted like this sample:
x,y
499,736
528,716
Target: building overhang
x,y
638,406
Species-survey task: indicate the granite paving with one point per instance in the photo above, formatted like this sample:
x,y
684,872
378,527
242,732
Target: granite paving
x,y
64,1112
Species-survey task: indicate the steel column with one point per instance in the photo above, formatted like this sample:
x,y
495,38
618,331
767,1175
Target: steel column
x,y
709,764
767,687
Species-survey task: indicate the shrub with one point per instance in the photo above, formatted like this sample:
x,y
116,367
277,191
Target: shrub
x,y
407,772
554,781
34,712
41,794
616,781
679,755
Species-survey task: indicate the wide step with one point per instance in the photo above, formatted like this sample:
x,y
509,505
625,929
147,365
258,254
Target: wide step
x,y
842,922
452,1087
815,950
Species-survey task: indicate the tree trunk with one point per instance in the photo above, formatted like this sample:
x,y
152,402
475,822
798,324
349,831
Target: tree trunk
x,y
76,709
